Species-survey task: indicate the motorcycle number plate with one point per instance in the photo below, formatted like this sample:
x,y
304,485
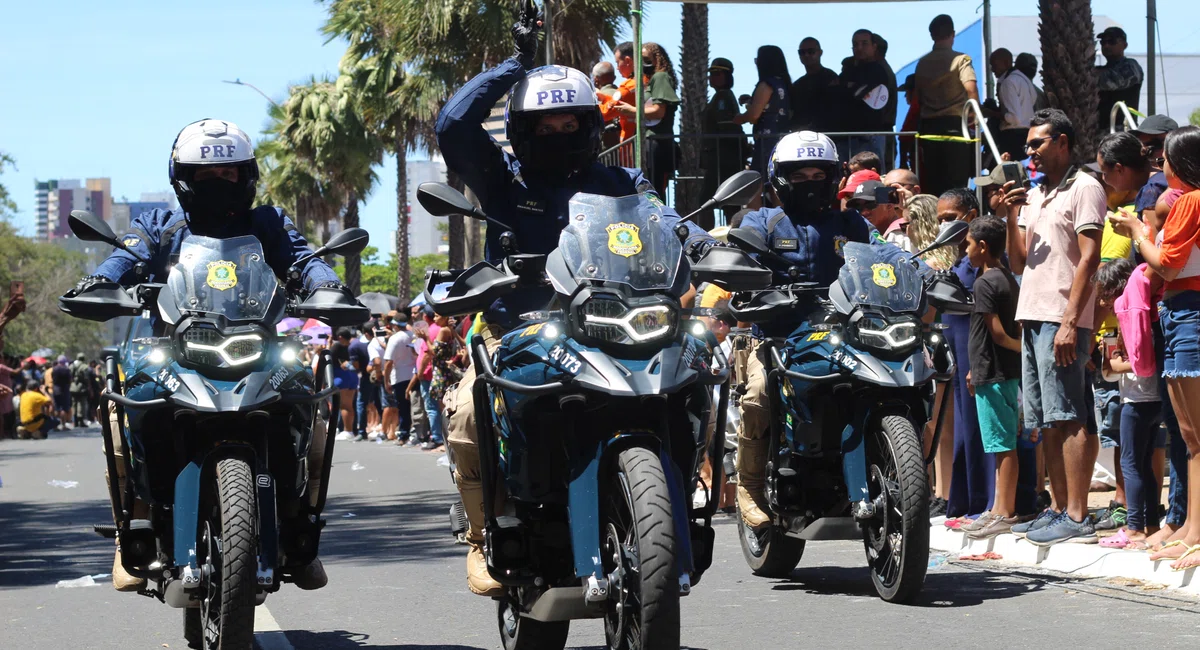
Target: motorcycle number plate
x,y
168,379
566,359
845,358
280,377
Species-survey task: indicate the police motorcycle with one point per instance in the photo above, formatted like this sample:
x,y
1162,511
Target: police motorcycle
x,y
591,418
217,418
851,388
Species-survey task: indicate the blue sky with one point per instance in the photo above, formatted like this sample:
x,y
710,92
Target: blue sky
x,y
100,89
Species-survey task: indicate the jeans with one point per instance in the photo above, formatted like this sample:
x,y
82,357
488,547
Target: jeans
x,y
1177,456
404,408
1053,393
366,390
1139,428
434,410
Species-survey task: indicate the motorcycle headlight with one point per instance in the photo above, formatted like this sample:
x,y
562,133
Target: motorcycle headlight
x,y
612,321
204,345
879,333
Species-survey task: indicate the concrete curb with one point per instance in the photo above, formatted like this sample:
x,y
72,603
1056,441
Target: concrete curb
x,y
1086,560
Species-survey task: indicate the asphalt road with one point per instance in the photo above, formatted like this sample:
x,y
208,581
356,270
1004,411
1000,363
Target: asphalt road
x,y
397,580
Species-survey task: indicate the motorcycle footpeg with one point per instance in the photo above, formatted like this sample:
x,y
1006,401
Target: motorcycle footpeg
x,y
458,519
107,531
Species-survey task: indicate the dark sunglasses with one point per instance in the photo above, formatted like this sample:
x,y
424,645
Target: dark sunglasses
x,y
1036,143
1109,41
805,51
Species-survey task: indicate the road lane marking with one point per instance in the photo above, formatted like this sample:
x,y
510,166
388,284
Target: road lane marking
x,y
267,633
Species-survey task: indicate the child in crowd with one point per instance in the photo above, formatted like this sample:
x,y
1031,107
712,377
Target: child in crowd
x,y
1141,415
865,160
994,378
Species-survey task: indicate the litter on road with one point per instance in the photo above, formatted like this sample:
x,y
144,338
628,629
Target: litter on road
x,y
62,484
85,581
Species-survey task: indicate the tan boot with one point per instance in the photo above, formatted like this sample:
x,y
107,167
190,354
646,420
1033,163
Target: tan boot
x,y
752,471
478,579
121,579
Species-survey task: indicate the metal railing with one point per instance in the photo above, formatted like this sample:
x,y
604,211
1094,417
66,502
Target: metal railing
x,y
970,108
1121,110
714,157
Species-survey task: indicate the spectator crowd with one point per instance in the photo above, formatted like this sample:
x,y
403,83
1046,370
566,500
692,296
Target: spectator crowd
x,y
38,396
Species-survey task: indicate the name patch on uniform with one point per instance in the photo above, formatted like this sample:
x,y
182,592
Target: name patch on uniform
x,y
532,206
787,244
222,275
839,243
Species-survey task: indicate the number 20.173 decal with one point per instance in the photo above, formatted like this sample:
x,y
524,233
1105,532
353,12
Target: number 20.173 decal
x,y
566,360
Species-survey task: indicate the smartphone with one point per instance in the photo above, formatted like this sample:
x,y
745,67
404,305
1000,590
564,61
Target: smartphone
x,y
1014,172
886,195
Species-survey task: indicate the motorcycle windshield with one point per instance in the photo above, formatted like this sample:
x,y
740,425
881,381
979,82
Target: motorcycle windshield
x,y
621,239
873,278
229,277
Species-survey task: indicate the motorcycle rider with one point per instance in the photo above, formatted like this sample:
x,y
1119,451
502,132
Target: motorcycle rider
x,y
553,124
809,231
214,174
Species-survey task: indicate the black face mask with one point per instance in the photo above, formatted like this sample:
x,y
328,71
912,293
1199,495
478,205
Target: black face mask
x,y
215,203
555,156
648,69
803,201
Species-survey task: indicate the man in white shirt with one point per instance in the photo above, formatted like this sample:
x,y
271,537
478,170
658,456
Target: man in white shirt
x,y
399,365
1017,100
375,349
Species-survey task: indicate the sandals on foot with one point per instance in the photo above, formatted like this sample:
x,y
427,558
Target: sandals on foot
x,y
1166,546
1175,566
1120,540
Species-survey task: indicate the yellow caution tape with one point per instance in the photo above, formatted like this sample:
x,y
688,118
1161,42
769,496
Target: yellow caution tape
x,y
946,138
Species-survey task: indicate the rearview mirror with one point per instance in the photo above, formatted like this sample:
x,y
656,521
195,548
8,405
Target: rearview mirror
x,y
441,200
738,189
747,240
89,227
954,233
346,242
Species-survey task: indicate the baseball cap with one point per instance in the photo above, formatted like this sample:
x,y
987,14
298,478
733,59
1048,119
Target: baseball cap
x,y
1156,125
722,64
994,177
866,191
856,179
1113,31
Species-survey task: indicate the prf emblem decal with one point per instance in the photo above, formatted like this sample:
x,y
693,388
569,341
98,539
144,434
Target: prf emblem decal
x,y
883,275
222,275
839,243
623,239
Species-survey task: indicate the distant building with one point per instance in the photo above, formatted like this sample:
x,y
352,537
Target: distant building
x,y
424,236
55,199
124,213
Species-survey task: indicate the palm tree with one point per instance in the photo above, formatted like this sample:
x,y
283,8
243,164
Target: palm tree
x,y
293,183
1068,67
320,125
398,107
694,65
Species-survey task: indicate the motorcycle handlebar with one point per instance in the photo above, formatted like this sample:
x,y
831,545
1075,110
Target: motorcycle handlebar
x,y
782,367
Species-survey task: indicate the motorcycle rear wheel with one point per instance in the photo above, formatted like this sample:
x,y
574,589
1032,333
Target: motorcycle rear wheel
x,y
639,549
228,608
897,541
517,633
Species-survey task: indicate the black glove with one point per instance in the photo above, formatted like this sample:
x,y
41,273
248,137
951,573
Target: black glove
x,y
698,249
86,283
329,284
525,34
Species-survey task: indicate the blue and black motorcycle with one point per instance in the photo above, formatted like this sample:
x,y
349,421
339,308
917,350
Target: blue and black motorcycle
x,y
592,419
851,388
217,415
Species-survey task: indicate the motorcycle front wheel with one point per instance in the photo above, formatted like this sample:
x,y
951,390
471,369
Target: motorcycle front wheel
x,y
228,545
639,552
768,551
517,633
897,539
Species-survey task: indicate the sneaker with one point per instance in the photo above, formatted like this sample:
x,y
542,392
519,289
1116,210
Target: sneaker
x,y
345,435
937,507
980,522
430,446
996,525
375,435
1112,517
414,442
1065,530
1038,523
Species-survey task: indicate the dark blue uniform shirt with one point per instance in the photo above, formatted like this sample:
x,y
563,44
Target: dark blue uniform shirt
x,y
535,211
158,235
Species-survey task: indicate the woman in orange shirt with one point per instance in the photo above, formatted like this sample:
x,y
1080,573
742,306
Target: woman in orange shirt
x,y
1177,261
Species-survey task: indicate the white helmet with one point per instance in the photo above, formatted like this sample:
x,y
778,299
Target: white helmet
x,y
210,143
798,150
553,89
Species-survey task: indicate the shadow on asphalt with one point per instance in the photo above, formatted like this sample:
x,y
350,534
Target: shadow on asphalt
x,y
343,640
42,543
957,589
413,527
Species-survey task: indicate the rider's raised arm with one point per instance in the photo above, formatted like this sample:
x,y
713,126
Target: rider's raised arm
x,y
141,238
283,244
466,146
